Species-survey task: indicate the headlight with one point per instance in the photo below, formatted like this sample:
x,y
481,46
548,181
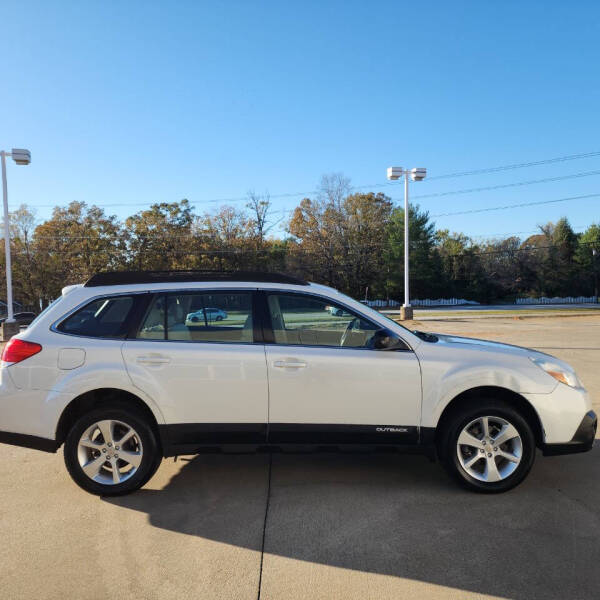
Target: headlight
x,y
566,376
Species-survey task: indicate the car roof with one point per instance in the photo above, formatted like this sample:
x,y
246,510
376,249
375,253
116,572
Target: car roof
x,y
81,291
188,276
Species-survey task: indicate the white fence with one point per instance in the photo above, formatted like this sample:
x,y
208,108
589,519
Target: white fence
x,y
556,300
444,302
381,303
426,302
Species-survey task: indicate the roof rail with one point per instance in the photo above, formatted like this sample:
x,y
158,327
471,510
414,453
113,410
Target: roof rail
x,y
131,277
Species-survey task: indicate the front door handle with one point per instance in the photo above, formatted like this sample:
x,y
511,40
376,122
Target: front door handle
x,y
153,359
289,364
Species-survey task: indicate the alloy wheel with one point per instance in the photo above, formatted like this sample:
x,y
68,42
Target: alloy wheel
x,y
489,449
110,452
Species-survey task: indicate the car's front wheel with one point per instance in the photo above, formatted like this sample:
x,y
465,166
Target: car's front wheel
x,y
488,448
111,450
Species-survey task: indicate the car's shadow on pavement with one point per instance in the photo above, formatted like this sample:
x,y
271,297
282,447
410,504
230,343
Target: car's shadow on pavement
x,y
399,516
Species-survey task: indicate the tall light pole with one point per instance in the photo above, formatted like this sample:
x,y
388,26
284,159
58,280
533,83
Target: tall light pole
x,y
595,268
21,157
416,174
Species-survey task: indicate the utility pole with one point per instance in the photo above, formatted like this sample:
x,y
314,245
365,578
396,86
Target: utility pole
x,y
595,268
416,174
21,157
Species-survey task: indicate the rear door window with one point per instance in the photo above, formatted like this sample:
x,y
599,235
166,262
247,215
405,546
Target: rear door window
x,y
102,318
200,317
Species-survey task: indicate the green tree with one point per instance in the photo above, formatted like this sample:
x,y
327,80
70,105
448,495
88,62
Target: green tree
x,y
555,264
501,263
587,256
424,260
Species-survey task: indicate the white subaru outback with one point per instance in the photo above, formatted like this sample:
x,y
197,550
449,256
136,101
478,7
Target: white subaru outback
x,y
117,372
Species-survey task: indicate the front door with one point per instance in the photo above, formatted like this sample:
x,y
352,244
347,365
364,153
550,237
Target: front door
x,y
195,355
328,386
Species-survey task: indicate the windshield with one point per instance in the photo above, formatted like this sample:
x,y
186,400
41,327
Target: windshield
x,y
367,309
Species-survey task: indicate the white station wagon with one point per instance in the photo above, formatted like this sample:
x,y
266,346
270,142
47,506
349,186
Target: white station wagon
x,y
115,371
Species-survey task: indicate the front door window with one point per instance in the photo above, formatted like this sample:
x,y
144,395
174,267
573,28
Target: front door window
x,y
300,319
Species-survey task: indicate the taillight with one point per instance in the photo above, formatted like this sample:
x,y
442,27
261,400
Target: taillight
x,y
17,350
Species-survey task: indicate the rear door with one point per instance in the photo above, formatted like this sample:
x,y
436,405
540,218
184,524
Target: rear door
x,y
209,377
326,384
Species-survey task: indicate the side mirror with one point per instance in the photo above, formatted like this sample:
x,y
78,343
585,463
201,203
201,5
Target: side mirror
x,y
384,339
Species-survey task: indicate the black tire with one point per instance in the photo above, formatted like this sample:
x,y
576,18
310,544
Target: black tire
x,y
486,407
219,318
151,456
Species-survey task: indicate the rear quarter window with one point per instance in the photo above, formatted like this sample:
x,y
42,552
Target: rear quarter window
x,y
101,318
46,311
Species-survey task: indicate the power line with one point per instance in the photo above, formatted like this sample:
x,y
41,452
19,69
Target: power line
x,y
504,207
489,170
483,171
512,250
505,234
508,206
508,185
510,167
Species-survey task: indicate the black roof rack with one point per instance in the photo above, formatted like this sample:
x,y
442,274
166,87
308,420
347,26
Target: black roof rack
x,y
130,277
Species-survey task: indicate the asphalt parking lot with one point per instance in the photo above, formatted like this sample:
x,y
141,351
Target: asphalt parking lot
x,y
337,526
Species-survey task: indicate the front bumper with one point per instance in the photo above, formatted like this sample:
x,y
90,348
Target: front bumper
x,y
582,441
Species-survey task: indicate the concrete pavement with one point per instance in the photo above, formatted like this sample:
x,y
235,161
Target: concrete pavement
x,y
338,526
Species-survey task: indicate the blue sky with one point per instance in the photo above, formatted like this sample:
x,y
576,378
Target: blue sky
x,y
127,103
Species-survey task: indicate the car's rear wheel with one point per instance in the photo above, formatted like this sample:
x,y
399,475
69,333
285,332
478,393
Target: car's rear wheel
x,y
111,451
489,447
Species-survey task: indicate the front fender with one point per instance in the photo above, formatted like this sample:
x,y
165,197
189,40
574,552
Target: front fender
x,y
448,372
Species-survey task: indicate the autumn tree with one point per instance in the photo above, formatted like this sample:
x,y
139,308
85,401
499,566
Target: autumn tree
x,y
227,239
160,237
339,236
27,277
366,218
76,242
259,207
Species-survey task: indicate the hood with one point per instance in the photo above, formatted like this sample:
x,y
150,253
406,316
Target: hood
x,y
452,340
474,350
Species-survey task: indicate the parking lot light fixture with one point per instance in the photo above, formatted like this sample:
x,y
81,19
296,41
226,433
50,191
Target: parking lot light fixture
x,y
416,174
21,157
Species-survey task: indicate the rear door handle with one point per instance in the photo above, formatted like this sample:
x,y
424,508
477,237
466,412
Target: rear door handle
x,y
289,364
154,359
